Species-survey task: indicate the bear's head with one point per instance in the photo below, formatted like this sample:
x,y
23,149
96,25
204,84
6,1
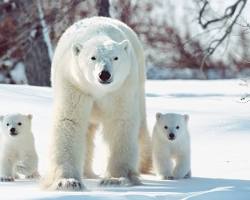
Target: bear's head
x,y
15,125
172,126
102,62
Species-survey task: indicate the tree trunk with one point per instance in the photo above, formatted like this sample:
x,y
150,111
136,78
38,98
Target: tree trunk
x,y
34,49
38,62
103,8
37,57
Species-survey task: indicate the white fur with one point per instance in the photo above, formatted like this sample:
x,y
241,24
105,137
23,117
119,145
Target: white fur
x,y
81,101
17,152
171,158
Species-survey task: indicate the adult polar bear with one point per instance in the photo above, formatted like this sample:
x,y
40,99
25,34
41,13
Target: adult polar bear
x,y
98,78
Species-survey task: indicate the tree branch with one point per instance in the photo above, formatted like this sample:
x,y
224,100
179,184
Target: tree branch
x,y
229,13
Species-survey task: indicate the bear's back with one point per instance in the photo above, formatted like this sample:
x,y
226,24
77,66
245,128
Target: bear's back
x,y
85,29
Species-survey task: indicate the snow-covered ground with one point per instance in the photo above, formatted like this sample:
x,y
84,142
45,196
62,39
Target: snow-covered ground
x,y
219,127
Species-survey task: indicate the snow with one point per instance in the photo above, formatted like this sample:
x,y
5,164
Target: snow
x,y
220,135
18,73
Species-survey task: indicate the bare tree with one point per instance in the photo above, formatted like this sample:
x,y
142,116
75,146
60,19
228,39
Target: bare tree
x,y
26,28
230,16
38,54
25,40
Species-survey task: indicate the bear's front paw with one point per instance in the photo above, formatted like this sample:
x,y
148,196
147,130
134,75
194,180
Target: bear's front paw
x,y
164,177
7,179
114,181
70,184
122,181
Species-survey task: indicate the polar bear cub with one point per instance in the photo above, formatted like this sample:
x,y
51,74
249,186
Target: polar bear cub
x,y
17,150
171,146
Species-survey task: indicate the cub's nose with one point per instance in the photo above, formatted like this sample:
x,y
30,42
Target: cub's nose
x,y
171,136
12,130
104,76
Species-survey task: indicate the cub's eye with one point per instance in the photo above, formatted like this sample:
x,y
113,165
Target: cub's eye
x,y
7,124
166,127
19,123
93,58
177,127
116,58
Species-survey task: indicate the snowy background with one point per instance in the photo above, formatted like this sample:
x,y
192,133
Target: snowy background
x,y
219,127
175,46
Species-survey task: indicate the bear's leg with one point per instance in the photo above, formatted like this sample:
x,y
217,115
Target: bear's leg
x,y
6,168
167,171
145,149
163,165
182,167
71,119
88,169
28,166
121,136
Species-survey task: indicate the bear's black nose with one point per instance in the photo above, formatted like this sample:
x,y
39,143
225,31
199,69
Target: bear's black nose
x,y
104,76
171,136
12,130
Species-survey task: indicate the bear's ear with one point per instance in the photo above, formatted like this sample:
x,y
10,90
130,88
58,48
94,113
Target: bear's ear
x,y
186,117
1,118
158,116
124,44
29,116
76,49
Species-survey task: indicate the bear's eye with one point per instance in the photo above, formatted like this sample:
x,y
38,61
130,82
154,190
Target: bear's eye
x,y
177,127
7,124
19,123
116,58
93,58
166,127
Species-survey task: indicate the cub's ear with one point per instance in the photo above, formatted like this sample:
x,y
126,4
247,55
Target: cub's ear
x,y
77,49
29,116
1,118
158,116
186,117
124,44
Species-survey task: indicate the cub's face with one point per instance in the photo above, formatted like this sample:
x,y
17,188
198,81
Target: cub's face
x,y
15,125
172,126
103,63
